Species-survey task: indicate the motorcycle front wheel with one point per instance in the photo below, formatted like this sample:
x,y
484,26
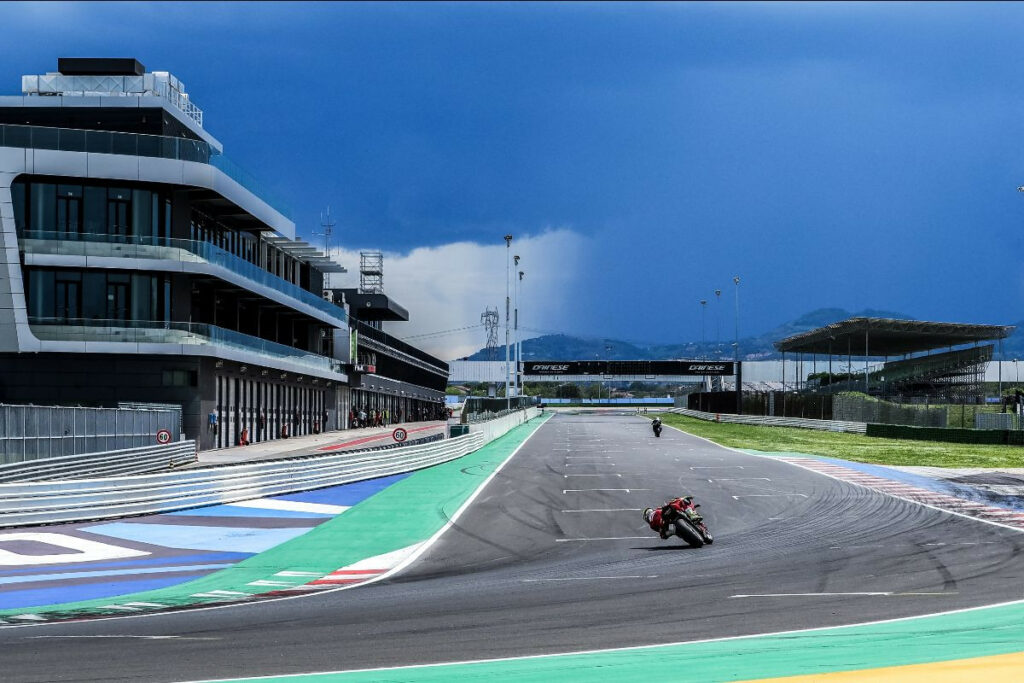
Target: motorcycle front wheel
x,y
688,533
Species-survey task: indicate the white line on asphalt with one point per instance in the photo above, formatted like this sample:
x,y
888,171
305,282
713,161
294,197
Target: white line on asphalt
x,y
606,538
717,467
586,456
587,464
768,495
589,490
965,543
827,595
592,475
741,478
606,510
590,578
133,636
805,595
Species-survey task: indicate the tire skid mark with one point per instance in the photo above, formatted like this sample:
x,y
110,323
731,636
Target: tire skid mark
x,y
986,513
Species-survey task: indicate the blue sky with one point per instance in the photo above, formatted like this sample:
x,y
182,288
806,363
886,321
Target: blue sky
x,y
848,155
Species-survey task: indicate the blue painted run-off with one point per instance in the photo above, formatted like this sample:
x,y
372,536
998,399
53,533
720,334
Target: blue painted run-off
x,y
49,565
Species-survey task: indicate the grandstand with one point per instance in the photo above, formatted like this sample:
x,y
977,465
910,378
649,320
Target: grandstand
x,y
953,375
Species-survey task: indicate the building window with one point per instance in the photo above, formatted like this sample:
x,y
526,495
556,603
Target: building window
x,y
119,212
69,210
68,300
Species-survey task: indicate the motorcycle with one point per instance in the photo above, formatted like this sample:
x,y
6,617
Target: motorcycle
x,y
688,524
657,428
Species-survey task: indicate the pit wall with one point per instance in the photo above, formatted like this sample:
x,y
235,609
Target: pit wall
x,y
492,429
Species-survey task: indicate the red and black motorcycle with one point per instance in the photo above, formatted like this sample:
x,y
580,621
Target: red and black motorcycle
x,y
680,517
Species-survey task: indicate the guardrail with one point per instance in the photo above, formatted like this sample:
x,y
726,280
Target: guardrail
x,y
125,461
88,499
771,421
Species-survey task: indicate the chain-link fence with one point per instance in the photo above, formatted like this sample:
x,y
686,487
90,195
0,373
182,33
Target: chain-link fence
x,y
37,432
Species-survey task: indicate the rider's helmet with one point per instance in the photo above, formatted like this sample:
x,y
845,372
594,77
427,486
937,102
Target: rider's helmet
x,y
648,514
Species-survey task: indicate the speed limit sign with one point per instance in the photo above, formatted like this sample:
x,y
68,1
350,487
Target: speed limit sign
x,y
399,435
163,436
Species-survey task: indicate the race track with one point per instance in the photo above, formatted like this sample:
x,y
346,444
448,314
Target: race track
x,y
553,556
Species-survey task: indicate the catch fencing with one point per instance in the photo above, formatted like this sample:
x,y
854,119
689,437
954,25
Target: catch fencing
x,y
766,420
37,432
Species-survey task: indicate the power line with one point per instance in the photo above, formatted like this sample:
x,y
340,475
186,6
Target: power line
x,y
440,333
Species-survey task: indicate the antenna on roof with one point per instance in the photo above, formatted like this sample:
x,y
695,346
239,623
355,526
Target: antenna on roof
x,y
327,228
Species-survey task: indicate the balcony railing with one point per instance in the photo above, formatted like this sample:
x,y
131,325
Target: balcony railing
x,y
167,332
135,144
168,249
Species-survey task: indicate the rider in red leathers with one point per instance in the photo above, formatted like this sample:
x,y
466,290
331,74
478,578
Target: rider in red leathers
x,y
660,519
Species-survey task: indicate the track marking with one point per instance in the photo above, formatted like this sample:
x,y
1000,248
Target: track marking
x,y
740,479
718,467
828,595
590,490
605,538
653,648
131,636
589,578
609,474
587,464
768,495
291,506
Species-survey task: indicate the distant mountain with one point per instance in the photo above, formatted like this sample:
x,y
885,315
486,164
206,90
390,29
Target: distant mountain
x,y
565,347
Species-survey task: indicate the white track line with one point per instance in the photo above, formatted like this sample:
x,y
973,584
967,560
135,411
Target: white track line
x,y
631,648
606,538
590,490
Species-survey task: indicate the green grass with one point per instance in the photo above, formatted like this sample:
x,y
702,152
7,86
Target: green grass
x,y
850,446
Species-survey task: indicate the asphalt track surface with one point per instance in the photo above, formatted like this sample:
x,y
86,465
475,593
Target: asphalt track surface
x,y
553,556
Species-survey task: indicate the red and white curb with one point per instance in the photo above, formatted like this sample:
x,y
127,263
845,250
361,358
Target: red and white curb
x,y
364,570
986,513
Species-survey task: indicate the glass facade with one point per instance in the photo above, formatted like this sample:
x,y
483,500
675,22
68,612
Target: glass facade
x,y
135,144
60,296
69,211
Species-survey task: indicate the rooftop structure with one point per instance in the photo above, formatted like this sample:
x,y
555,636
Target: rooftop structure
x,y
880,337
955,375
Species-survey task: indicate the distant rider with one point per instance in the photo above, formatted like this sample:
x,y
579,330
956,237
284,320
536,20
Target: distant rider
x,y
656,425
661,519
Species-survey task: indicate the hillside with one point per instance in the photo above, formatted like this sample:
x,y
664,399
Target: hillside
x,y
759,347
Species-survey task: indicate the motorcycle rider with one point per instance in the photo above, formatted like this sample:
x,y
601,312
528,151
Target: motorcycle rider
x,y
656,425
661,519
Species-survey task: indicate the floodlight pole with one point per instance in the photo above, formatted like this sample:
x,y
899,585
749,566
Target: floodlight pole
x,y
515,325
519,341
508,253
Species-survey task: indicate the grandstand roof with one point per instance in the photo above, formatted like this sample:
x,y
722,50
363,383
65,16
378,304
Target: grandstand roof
x,y
877,337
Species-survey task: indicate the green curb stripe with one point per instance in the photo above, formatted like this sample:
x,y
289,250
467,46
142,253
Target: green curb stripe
x,y
918,640
407,512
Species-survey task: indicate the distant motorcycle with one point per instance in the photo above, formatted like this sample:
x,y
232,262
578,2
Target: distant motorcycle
x,y
656,426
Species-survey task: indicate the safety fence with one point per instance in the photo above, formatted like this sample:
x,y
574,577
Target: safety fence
x,y
106,464
994,437
767,420
87,499
35,432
